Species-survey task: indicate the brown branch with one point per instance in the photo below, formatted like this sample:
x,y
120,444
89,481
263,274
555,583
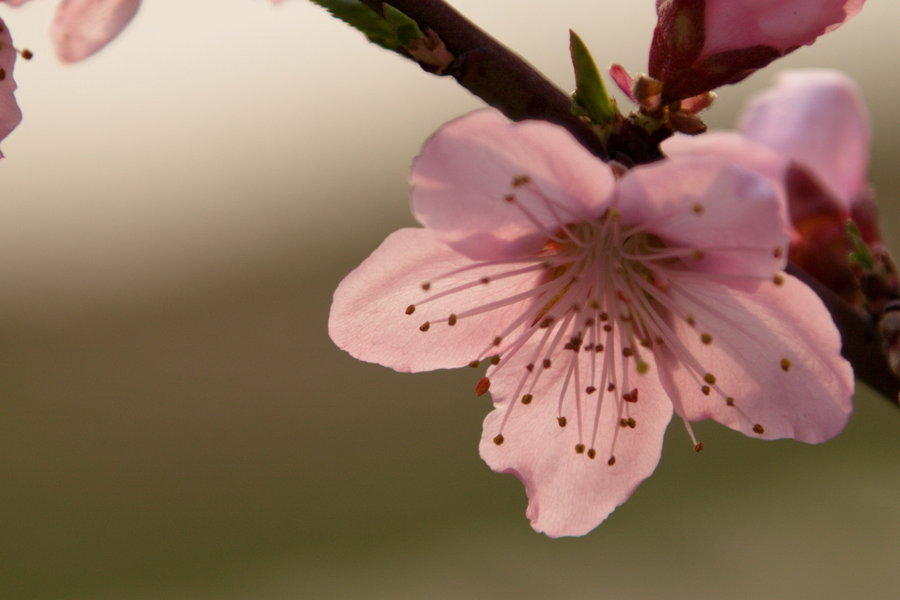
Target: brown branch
x,y
495,74
503,80
862,344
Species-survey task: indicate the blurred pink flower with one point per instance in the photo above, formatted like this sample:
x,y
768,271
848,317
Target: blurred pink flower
x,y
701,44
809,134
82,27
600,303
10,114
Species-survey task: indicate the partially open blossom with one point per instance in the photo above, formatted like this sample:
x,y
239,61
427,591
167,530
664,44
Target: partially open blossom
x,y
810,134
10,114
699,45
600,303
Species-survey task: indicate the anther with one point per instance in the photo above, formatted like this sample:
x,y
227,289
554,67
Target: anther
x,y
547,363
697,254
626,352
495,360
611,461
611,387
706,338
607,328
482,386
759,429
698,447
778,252
410,309
579,448
623,422
451,321
706,390
590,389
527,398
520,180
426,286
631,422
2,74
604,316
485,280
497,340
691,321
785,364
529,367
425,326
26,54
729,401
697,208
709,378
510,197
642,367
546,323
592,453
631,396
778,280
498,439
598,348
474,364
562,421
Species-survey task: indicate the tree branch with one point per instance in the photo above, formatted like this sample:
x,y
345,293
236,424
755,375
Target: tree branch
x,y
495,74
503,80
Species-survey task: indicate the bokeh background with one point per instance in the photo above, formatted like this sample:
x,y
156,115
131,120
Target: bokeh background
x,y
174,422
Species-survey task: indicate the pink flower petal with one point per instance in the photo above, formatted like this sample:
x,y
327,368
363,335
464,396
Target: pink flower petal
x,y
369,314
10,114
818,119
780,24
623,79
731,146
82,27
694,202
772,348
468,168
570,492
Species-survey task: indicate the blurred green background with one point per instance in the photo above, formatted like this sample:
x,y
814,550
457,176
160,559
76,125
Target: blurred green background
x,y
175,422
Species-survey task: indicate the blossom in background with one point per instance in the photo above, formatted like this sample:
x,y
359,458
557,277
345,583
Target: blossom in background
x,y
699,45
10,114
601,303
82,27
810,135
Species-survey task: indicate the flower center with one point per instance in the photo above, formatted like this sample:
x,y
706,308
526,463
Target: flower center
x,y
589,314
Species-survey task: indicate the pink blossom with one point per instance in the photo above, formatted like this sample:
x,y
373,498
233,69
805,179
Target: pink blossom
x,y
810,135
82,27
600,304
701,44
10,114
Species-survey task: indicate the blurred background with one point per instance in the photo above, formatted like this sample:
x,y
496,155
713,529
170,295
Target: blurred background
x,y
174,421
